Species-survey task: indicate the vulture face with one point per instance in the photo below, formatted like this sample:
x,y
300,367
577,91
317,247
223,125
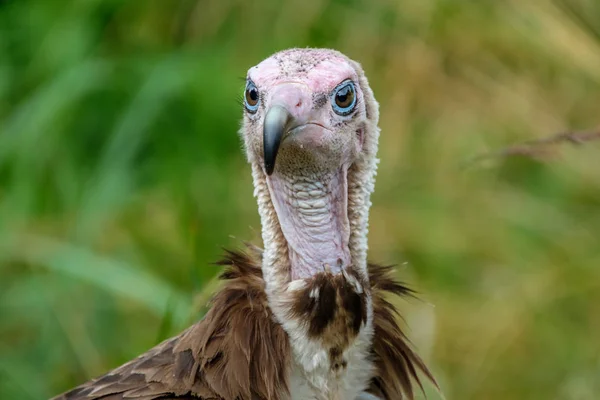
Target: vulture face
x,y
308,117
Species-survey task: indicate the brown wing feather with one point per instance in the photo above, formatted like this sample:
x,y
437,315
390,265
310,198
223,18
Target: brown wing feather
x,y
397,364
236,352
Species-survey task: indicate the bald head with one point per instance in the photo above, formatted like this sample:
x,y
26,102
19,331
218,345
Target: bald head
x,y
309,126
304,107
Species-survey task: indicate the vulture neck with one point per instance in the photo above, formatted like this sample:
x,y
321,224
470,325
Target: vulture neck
x,y
312,211
344,235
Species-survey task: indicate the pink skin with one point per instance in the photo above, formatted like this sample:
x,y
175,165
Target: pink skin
x,y
322,79
309,187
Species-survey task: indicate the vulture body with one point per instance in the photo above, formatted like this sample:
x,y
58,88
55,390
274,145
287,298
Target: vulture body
x,y
306,317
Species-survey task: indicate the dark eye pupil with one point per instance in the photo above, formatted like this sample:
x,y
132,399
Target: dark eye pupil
x,y
344,97
252,96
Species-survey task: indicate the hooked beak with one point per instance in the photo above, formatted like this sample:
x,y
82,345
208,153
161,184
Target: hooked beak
x,y
274,127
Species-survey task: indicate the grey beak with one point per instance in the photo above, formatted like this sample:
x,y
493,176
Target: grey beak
x,y
274,127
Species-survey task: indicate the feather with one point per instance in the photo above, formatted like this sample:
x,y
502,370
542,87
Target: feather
x,y
397,364
238,352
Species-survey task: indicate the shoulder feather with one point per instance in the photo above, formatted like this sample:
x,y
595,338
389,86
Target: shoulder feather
x,y
237,351
397,364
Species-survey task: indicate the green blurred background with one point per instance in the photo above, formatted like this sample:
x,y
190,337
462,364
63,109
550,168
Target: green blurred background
x,y
122,177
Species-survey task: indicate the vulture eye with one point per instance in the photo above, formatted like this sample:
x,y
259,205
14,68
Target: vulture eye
x,y
251,97
344,98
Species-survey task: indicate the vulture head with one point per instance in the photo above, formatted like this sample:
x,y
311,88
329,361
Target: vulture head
x,y
310,133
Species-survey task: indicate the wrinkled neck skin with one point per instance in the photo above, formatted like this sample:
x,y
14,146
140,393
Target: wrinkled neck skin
x,y
313,223
312,210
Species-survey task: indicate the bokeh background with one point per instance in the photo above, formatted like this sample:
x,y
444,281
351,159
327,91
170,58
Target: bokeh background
x,y
122,178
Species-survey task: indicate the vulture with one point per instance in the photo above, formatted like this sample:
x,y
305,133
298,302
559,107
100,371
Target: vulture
x,y
306,316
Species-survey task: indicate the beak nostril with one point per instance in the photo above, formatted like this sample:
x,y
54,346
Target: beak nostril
x,y
299,103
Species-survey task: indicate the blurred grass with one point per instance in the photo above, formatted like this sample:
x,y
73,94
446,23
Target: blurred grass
x,y
122,176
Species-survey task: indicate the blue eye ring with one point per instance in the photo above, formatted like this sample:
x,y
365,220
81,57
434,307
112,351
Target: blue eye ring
x,y
251,97
343,98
